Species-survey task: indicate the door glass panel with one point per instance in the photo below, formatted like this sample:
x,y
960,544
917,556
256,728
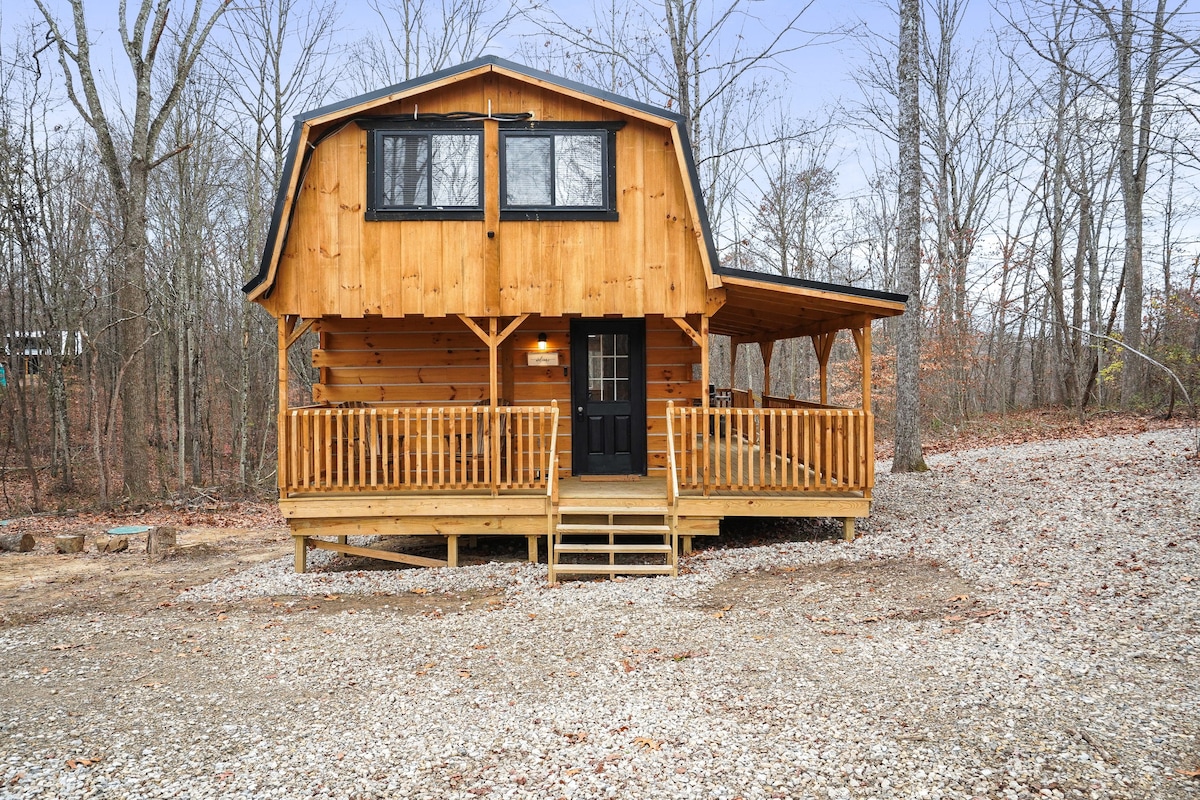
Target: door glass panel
x,y
608,367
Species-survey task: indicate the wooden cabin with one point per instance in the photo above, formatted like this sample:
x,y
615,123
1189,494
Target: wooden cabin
x,y
513,285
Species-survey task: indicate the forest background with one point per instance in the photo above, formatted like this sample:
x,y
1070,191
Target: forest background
x,y
141,148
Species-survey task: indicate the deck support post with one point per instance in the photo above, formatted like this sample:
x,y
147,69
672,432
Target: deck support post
x,y
532,541
301,553
848,528
452,550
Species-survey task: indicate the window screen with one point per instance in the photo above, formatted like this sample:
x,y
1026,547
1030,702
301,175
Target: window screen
x,y
555,170
428,170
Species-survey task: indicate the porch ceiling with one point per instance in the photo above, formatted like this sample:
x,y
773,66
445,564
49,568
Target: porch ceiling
x,y
760,307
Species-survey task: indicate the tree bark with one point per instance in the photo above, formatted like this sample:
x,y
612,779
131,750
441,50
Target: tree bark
x,y
908,456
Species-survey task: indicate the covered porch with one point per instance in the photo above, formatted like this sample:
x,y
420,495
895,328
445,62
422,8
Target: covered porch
x,y
363,461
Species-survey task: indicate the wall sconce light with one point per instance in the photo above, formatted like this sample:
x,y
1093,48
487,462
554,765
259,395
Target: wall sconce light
x,y
542,342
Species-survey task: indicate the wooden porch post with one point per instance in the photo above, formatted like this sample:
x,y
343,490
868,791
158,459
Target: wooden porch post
x,y
704,378
493,337
823,344
701,339
862,340
493,398
734,344
285,325
767,349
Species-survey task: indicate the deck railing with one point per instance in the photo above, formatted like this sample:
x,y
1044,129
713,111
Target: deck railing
x,y
417,448
782,449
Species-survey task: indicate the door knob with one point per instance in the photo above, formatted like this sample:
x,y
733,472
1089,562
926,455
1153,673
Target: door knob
x,y
579,410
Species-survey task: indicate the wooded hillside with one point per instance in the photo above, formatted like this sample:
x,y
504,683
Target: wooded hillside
x,y
1060,211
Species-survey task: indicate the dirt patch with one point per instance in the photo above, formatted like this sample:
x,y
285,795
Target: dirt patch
x,y
42,583
860,592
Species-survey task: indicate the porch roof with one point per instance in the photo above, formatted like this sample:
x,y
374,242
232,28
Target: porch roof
x,y
760,307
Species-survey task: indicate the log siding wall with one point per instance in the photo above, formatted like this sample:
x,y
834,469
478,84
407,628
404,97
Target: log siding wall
x,y
423,362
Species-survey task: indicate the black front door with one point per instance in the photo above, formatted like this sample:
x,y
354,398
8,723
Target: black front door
x,y
608,397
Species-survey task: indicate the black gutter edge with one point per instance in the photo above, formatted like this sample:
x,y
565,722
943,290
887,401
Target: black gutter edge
x,y
821,286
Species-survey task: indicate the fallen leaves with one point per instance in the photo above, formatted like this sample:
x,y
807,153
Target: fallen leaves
x,y
646,743
72,763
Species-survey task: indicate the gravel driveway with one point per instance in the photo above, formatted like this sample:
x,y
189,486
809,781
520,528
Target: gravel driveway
x,y
1021,622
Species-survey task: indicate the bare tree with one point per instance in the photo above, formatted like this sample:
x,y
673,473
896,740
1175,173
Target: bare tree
x,y
128,155
416,37
908,456
271,65
1140,52
706,61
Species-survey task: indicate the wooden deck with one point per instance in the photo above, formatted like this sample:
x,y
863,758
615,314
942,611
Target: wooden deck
x,y
465,471
528,513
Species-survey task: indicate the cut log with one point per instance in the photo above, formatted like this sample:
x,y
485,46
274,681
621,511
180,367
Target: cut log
x,y
111,544
196,550
159,542
16,542
69,543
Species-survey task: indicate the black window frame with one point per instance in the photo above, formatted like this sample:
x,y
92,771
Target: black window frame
x,y
378,128
607,211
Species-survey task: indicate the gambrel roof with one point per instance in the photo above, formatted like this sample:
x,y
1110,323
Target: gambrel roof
x,y
750,306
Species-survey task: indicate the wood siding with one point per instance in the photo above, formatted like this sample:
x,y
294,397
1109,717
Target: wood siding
x,y
420,362
649,262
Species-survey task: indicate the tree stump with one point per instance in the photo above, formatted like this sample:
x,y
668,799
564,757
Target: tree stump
x,y
16,542
159,542
111,544
69,543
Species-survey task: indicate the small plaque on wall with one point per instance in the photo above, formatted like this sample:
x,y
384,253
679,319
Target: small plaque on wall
x,y
543,359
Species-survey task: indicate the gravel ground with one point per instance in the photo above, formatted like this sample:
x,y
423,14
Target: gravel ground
x,y
1020,622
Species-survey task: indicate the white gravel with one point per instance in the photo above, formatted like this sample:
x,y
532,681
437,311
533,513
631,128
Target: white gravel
x,y
1020,622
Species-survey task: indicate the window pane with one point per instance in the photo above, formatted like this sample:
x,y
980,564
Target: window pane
x,y
403,173
455,170
621,390
578,170
527,171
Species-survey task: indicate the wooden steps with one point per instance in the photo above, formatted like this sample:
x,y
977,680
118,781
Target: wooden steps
x,y
591,531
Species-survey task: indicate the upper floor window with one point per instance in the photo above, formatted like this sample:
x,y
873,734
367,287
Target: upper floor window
x,y
425,173
567,173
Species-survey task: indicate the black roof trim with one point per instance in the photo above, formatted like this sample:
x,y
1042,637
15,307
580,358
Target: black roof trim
x,y
512,66
278,226
821,286
273,232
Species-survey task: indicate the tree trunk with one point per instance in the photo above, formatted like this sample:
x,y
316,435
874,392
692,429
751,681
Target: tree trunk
x,y
908,456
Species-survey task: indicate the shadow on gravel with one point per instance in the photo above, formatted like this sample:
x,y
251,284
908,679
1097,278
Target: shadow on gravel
x,y
739,532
